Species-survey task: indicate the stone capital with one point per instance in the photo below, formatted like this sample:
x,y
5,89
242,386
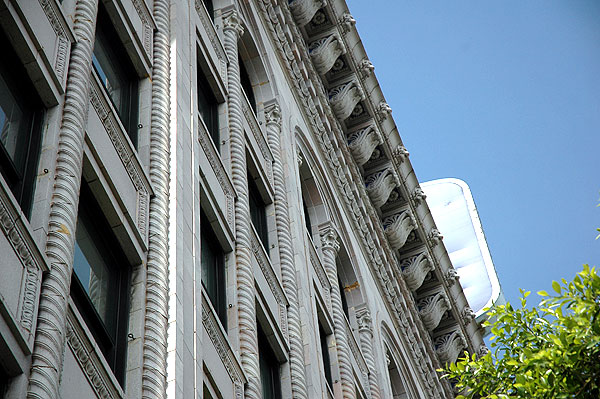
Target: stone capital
x,y
365,322
273,113
329,237
233,22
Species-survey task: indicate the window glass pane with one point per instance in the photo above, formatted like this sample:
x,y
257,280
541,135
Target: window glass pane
x,y
208,107
11,123
92,271
213,269
110,74
258,214
269,368
325,354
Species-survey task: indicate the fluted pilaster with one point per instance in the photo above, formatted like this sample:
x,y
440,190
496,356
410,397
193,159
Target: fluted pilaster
x,y
286,255
47,357
330,247
245,279
157,285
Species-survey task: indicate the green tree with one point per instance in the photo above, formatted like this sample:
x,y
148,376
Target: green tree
x,y
548,351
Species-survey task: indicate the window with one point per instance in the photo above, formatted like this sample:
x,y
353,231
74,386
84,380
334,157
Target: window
x,y
208,107
100,282
343,296
213,269
114,68
247,85
325,356
3,383
258,213
210,8
21,113
269,368
307,222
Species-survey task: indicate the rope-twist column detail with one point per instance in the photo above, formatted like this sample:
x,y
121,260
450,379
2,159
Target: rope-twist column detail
x,y
47,357
330,247
286,255
233,29
365,331
154,379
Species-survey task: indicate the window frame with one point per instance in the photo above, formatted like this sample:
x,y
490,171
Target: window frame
x,y
128,111
206,92
218,299
267,359
258,213
113,345
21,182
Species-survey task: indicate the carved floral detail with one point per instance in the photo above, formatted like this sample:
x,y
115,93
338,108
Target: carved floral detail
x,y
432,308
379,185
304,10
415,269
397,228
362,143
325,51
449,346
343,98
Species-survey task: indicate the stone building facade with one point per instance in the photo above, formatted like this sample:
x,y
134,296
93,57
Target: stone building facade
x,y
210,199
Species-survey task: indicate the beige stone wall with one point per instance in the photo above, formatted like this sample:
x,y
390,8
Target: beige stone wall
x,y
321,141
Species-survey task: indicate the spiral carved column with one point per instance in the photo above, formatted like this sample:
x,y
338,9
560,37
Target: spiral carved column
x,y
154,379
47,357
330,247
365,330
233,29
286,255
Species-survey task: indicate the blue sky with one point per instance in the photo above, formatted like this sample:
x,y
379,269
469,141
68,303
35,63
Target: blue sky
x,y
506,96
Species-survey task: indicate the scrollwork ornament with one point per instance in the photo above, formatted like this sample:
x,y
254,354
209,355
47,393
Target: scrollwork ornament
x,y
467,315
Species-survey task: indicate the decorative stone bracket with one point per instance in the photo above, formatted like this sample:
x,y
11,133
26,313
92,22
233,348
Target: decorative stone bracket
x,y
379,185
325,51
397,228
304,10
432,308
449,346
366,68
362,143
346,22
343,98
415,269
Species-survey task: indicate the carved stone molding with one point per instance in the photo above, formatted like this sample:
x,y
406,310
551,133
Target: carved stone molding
x,y
259,136
304,10
397,228
418,195
449,346
212,36
415,269
451,276
211,325
220,173
434,237
325,51
25,249
379,185
299,157
89,361
269,273
362,143
366,68
382,111
125,152
346,22
343,98
432,308
148,25
63,47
